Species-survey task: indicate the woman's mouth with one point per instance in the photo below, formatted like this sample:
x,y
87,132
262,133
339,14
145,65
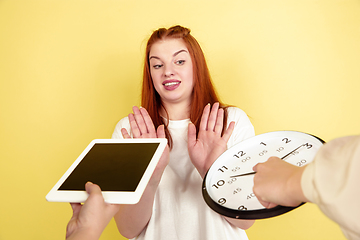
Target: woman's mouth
x,y
171,84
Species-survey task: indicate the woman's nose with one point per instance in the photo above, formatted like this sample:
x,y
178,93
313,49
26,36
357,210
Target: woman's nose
x,y
168,71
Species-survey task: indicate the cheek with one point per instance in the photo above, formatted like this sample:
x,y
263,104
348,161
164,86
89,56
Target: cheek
x,y
190,76
156,77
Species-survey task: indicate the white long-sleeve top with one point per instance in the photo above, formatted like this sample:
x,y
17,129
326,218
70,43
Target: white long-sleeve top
x,y
179,211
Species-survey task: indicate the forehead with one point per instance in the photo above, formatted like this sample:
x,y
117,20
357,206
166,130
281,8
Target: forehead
x,y
167,47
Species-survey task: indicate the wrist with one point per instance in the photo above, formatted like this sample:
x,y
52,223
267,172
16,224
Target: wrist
x,y
294,187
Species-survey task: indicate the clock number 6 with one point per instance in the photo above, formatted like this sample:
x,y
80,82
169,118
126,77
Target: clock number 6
x,y
242,207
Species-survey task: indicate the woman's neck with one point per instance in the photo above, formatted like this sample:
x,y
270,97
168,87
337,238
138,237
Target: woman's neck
x,y
176,111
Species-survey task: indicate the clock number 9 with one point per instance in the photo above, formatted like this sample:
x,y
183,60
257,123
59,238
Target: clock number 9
x,y
222,201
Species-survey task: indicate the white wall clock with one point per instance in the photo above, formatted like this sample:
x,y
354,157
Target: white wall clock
x,y
228,184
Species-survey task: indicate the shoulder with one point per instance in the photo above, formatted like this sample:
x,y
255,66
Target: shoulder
x,y
243,127
236,113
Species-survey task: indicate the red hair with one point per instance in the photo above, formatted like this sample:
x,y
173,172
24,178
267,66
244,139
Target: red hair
x,y
203,92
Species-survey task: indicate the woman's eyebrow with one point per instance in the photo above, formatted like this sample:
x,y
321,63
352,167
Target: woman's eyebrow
x,y
154,57
176,53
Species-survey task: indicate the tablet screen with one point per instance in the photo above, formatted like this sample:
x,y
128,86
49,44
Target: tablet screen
x,y
114,167
121,167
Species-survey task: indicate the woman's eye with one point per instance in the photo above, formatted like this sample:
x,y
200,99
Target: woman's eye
x,y
157,66
180,62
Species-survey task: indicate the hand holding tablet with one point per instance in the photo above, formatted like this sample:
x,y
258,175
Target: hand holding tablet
x,y
121,167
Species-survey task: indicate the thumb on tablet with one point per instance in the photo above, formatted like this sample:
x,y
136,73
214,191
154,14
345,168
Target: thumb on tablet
x,y
92,188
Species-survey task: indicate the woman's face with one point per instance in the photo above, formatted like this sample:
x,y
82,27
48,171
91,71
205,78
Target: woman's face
x,y
171,71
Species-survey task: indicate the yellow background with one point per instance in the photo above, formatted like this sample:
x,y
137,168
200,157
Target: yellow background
x,y
70,69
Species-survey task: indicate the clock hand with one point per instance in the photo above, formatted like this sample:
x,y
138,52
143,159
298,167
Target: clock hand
x,y
245,174
287,155
283,158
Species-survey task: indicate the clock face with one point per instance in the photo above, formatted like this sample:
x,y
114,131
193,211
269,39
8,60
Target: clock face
x,y
228,184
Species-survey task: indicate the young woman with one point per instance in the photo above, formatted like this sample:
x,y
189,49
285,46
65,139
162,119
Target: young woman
x,y
179,102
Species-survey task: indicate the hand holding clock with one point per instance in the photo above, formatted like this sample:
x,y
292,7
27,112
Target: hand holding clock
x,y
283,158
277,182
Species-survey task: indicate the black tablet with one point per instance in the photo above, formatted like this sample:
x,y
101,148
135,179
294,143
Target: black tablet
x,y
121,167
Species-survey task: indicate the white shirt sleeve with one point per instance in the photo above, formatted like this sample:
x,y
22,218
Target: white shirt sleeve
x,y
243,127
123,123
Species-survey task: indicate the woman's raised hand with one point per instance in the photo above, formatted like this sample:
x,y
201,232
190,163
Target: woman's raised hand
x,y
143,127
209,144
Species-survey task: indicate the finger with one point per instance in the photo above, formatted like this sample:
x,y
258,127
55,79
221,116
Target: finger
x,y
95,194
134,126
125,133
228,131
148,122
212,121
255,168
204,118
219,121
191,135
267,204
140,121
161,131
76,207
